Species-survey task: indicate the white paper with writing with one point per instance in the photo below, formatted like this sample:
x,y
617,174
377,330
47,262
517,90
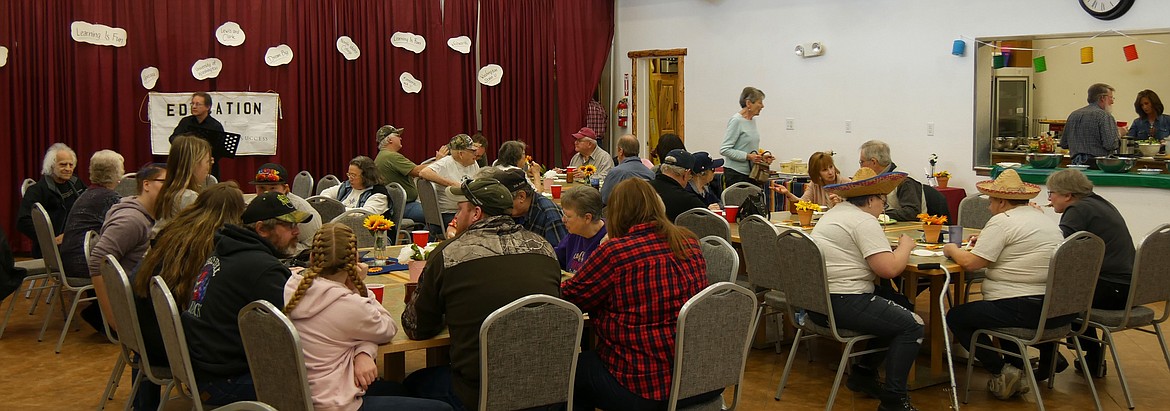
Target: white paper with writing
x,y
409,41
461,44
204,69
98,34
491,74
348,48
279,55
3,56
409,83
149,77
230,34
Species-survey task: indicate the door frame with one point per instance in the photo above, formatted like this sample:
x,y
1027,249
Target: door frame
x,y
634,56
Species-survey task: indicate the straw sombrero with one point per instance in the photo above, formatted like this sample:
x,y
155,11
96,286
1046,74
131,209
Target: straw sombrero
x,y
867,182
1008,186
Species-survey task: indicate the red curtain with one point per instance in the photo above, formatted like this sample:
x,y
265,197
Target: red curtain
x,y
517,35
583,34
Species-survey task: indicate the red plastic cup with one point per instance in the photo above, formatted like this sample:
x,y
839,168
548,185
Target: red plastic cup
x,y
556,191
730,212
569,174
379,290
420,237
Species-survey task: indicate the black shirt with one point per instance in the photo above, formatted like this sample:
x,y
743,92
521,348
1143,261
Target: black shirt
x,y
1096,215
191,125
676,198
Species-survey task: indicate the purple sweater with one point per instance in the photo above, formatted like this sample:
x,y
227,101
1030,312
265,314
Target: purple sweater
x,y
574,250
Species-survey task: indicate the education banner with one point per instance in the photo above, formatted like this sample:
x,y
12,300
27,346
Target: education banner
x,y
252,115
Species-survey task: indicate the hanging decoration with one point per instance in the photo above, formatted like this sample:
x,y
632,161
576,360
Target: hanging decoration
x,y
1086,55
491,74
348,48
99,34
1039,64
204,69
230,34
1130,52
409,83
3,56
461,44
998,61
959,47
149,77
279,55
409,41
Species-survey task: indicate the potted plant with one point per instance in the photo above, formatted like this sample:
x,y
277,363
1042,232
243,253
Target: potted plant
x,y
804,211
943,177
931,227
415,258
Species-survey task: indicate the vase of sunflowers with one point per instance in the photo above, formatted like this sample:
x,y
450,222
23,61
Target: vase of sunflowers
x,y
588,171
378,226
931,227
804,211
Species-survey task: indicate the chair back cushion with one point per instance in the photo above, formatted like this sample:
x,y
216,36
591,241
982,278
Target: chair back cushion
x,y
518,371
173,336
804,281
704,222
302,184
125,314
763,262
715,329
430,203
722,260
355,219
327,208
274,354
128,186
47,239
1072,275
329,180
398,204
974,211
738,192
1151,271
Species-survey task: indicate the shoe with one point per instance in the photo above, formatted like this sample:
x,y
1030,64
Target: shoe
x,y
864,381
1042,371
895,402
1100,370
1006,384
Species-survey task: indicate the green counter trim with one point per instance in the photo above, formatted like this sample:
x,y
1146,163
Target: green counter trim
x,y
1098,177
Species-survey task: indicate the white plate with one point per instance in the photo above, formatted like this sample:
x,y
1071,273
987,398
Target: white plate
x,y
1078,166
1149,171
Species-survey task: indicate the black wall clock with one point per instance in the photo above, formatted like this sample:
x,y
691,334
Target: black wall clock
x,y
1106,9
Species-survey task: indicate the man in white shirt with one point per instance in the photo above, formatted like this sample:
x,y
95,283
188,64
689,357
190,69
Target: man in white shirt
x,y
450,171
1015,246
589,153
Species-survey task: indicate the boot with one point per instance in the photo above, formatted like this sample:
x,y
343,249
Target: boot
x,y
895,402
864,380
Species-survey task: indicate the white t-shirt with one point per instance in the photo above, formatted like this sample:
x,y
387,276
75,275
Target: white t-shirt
x,y
1019,244
846,235
376,204
450,169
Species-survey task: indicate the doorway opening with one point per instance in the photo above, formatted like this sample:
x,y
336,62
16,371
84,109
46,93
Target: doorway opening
x,y
657,104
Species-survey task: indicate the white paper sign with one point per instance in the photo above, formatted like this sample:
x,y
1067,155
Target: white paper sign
x,y
204,69
491,74
409,83
98,34
348,48
230,34
149,77
3,56
279,55
461,44
409,41
253,115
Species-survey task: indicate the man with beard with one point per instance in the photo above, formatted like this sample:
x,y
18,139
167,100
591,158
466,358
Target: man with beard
x,y
1091,130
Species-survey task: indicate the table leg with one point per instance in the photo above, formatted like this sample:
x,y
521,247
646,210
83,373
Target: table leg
x,y
394,366
937,351
437,356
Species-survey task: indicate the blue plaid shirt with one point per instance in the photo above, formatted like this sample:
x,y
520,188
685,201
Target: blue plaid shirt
x,y
544,219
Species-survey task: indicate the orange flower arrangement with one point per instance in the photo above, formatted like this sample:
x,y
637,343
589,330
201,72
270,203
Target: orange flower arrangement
x,y
932,219
377,223
588,169
807,206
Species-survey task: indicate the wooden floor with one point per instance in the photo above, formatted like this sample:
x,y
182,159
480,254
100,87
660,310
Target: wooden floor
x,y
32,377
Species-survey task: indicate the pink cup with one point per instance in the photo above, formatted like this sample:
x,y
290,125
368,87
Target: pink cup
x,y
379,290
556,191
730,212
420,237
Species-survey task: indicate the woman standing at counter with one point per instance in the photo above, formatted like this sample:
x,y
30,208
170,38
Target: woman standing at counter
x,y
742,139
1151,123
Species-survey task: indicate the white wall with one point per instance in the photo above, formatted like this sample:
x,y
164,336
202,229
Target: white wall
x,y
887,67
1062,88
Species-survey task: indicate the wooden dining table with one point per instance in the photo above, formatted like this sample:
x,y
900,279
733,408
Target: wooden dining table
x,y
917,270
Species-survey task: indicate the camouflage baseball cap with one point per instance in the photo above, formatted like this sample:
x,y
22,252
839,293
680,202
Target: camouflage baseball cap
x,y
487,193
273,205
387,130
461,142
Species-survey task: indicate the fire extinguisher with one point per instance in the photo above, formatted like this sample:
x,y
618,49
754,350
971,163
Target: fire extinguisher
x,y
623,112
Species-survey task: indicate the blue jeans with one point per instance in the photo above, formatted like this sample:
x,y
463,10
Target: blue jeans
x,y
414,211
595,387
1023,312
895,326
228,390
385,395
434,383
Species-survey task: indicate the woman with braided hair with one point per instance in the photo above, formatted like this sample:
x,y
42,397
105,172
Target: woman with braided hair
x,y
341,325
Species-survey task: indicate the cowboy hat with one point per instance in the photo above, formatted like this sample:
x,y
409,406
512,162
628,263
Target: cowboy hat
x,y
867,182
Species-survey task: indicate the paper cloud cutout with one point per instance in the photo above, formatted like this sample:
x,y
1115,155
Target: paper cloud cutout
x,y
348,48
409,83
491,74
279,55
206,68
98,34
3,56
409,41
461,44
149,77
230,34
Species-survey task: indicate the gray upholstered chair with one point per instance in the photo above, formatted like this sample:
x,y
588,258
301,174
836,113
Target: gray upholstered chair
x,y
704,222
128,186
974,213
762,262
302,184
807,287
738,192
328,208
355,220
36,275
430,204
130,339
60,282
398,201
275,357
1150,284
24,185
175,340
246,406
1072,278
715,329
329,180
211,180
517,371
722,260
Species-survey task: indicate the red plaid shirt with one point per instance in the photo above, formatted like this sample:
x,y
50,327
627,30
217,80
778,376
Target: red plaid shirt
x,y
596,118
633,288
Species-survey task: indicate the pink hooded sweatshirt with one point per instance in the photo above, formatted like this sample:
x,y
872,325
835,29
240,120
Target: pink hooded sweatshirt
x,y
336,324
